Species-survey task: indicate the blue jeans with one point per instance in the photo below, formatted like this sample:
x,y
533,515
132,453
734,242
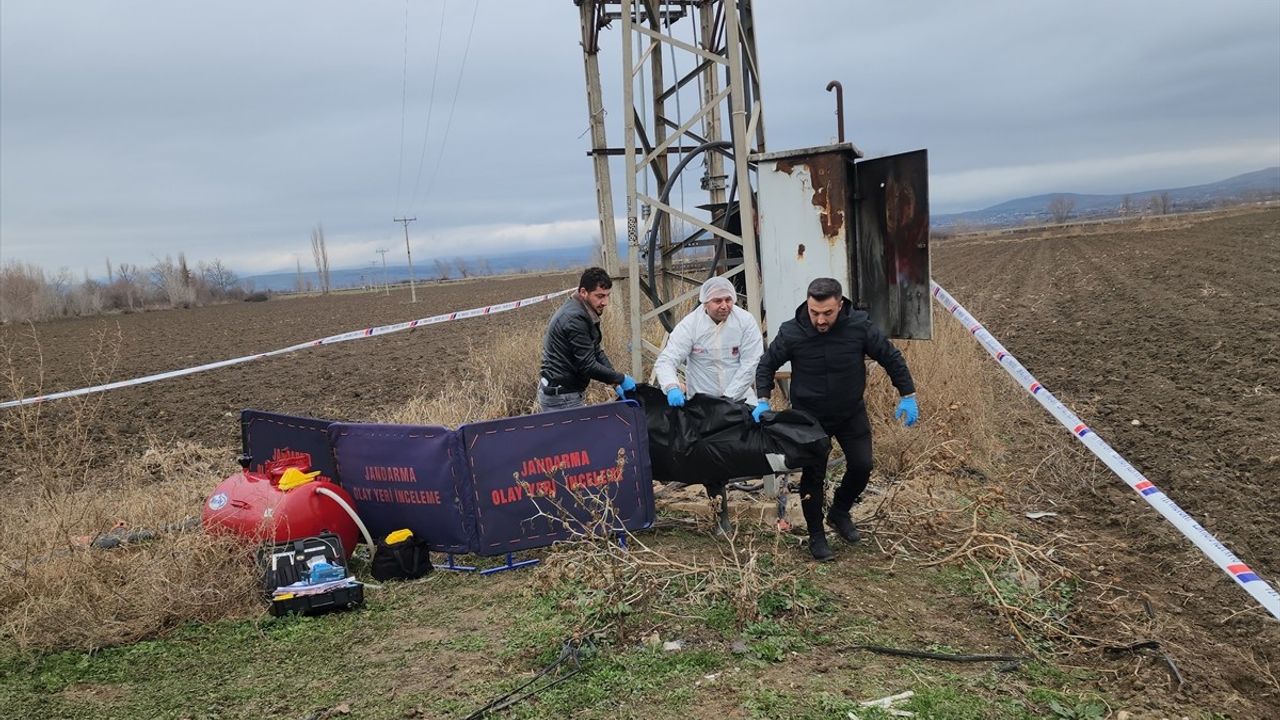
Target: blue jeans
x,y
563,401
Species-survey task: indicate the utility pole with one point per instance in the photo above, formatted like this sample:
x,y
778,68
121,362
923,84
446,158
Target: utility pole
x,y
413,292
599,144
385,287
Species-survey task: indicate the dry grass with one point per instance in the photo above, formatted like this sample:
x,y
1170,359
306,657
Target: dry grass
x,y
65,593
501,383
45,445
957,390
503,379
62,492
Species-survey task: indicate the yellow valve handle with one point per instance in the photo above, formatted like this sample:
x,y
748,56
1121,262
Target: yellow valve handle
x,y
293,477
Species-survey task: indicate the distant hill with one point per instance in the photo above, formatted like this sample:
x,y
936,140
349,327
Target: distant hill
x,y
524,261
1256,185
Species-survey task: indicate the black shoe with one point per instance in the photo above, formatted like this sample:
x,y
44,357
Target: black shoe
x,y
724,528
844,527
819,548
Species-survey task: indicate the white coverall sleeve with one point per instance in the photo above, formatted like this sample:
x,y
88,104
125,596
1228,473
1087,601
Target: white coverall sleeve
x,y
676,352
750,350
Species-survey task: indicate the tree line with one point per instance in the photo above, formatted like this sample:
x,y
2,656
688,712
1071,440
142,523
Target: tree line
x,y
28,293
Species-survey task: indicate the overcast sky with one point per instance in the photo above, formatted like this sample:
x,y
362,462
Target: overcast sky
x,y
228,129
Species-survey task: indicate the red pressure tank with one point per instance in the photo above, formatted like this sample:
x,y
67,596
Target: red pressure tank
x,y
280,504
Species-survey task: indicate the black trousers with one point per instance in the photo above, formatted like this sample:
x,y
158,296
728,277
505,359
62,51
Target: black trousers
x,y
854,437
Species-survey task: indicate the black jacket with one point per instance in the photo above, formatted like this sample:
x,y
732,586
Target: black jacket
x,y
571,354
828,374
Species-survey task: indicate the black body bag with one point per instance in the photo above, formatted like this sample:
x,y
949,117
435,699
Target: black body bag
x,y
712,440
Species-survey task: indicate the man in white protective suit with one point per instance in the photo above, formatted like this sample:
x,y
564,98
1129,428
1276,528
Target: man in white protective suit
x,y
719,343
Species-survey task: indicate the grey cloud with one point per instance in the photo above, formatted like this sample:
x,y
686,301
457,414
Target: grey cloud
x,y
139,128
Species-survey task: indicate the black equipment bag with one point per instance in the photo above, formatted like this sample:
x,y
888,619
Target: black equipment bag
x,y
712,440
404,560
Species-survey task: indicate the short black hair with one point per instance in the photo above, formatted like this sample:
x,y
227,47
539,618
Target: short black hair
x,y
594,278
825,289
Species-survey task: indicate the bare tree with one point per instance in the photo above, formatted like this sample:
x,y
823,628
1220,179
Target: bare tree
x,y
184,273
220,279
172,281
442,268
1166,203
1061,207
86,298
127,285
464,269
1126,205
321,255
299,285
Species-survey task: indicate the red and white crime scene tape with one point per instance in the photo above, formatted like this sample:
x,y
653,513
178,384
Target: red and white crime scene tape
x,y
343,337
1208,544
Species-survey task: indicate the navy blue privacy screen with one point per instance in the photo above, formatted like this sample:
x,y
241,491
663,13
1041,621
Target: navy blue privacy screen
x,y
488,488
267,436
406,476
532,474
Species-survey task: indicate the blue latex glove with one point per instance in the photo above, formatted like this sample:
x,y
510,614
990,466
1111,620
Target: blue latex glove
x,y
675,397
628,383
762,407
907,411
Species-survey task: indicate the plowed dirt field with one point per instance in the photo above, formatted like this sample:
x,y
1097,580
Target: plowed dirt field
x,y
1167,343
352,380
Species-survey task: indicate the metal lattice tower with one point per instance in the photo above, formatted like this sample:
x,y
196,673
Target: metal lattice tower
x,y
666,45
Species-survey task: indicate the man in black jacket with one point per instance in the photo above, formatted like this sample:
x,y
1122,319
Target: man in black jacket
x,y
826,344
571,353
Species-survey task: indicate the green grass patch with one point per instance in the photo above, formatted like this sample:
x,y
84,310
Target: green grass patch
x,y
638,678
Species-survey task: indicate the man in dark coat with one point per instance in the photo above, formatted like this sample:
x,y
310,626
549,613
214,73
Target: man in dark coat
x,y
571,352
826,345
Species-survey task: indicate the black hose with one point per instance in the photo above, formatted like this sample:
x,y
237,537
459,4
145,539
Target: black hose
x,y
652,240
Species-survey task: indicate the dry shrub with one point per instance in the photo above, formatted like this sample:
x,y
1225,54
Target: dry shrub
x,y
65,593
27,294
624,587
51,445
982,450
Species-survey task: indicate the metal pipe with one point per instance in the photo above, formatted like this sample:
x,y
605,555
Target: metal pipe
x,y
835,85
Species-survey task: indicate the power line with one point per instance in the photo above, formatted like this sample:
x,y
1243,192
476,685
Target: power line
x,y
431,105
404,86
453,104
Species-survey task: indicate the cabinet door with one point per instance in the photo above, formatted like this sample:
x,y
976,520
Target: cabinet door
x,y
891,250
